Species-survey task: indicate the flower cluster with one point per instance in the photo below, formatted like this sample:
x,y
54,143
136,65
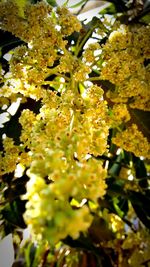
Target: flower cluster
x,y
9,158
133,140
61,138
139,244
57,143
60,142
125,64
50,216
125,56
119,114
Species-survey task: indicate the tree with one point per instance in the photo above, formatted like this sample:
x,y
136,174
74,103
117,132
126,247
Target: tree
x,y
75,150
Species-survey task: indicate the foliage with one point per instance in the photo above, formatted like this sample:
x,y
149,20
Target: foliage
x,y
74,160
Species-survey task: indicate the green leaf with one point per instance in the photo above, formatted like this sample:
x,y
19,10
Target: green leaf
x,y
117,207
83,243
115,165
145,19
12,214
8,42
111,9
81,88
141,172
78,4
120,5
66,3
115,188
52,2
29,252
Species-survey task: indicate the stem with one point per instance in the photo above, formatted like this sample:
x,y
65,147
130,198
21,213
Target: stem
x,y
80,10
72,121
83,42
94,79
54,71
52,82
86,37
73,84
63,76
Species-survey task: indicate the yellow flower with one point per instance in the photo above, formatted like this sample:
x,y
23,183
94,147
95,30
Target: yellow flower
x,y
133,140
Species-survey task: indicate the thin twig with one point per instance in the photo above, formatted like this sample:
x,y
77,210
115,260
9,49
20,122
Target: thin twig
x,y
80,10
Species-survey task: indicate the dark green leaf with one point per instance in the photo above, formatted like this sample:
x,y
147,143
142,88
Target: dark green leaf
x,y
115,184
12,213
29,251
111,9
115,165
145,18
52,2
8,41
141,172
141,205
120,6
85,243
